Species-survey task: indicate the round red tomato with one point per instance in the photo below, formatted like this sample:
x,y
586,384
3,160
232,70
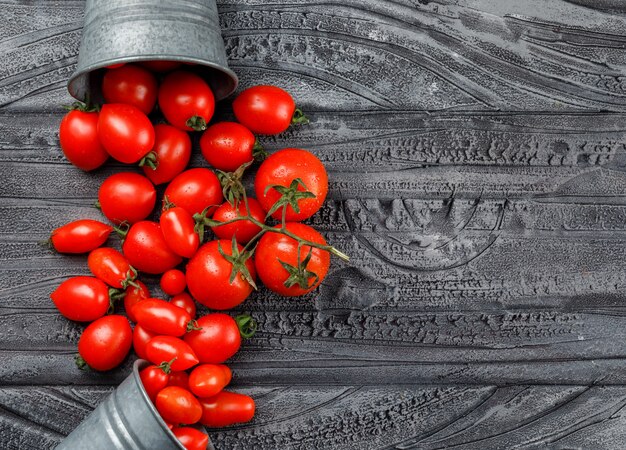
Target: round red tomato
x,y
226,408
191,438
209,273
110,266
146,249
134,295
105,343
195,190
78,134
173,282
186,101
83,299
80,236
178,227
180,379
177,405
168,348
126,197
162,317
125,132
169,156
283,168
154,379
275,249
227,145
131,85
161,66
141,337
242,230
218,339
207,380
184,300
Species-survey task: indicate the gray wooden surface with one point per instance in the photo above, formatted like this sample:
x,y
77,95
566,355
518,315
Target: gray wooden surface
x,y
476,151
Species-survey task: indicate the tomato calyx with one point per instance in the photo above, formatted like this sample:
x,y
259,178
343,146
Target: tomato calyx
x,y
151,160
81,363
197,123
258,151
82,106
115,295
131,276
238,260
166,366
203,221
299,118
167,204
232,186
122,230
247,325
289,196
299,274
193,326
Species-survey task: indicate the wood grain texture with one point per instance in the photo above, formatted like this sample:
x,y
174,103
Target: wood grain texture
x,y
477,160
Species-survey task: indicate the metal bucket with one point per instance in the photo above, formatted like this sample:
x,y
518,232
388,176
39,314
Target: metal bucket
x,y
124,31
126,420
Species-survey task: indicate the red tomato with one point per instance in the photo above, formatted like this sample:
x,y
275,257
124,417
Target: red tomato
x,y
105,343
209,273
115,66
173,282
166,348
275,249
226,408
126,197
161,66
177,405
111,267
146,249
180,379
125,132
141,337
83,299
78,134
131,85
227,145
178,227
242,230
184,300
186,101
207,380
191,438
266,110
161,317
169,156
135,294
80,236
194,190
154,379
217,340
282,168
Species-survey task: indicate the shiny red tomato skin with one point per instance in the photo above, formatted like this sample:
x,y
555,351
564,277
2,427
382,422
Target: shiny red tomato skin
x,y
166,348
207,380
217,340
78,135
173,282
281,168
105,343
80,236
194,190
161,317
177,405
133,296
243,230
183,95
161,66
125,132
83,299
178,227
226,408
275,247
180,379
154,379
110,266
141,337
227,145
264,109
131,85
184,300
146,249
173,151
126,197
208,277
191,438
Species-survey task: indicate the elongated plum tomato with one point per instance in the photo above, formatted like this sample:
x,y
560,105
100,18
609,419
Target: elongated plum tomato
x,y
207,380
78,135
191,438
161,66
226,408
154,378
173,282
105,343
177,405
134,295
186,101
125,132
266,109
166,348
178,227
184,300
141,337
275,250
110,266
227,145
282,168
146,249
80,236
162,317
217,339
126,197
195,190
131,85
169,156
242,230
83,299
180,379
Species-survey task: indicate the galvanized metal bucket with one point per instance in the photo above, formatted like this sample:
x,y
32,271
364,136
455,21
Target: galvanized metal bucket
x,y
126,420
124,31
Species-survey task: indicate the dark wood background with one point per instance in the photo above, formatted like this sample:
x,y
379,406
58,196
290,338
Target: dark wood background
x,y
476,151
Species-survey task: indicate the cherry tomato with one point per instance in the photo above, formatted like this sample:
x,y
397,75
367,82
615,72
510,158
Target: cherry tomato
x,y
208,276
146,249
177,405
161,317
134,295
275,250
83,299
126,197
194,190
154,379
116,66
180,379
186,101
166,348
161,66
207,380
105,343
131,85
125,132
266,110
80,236
173,282
191,438
78,135
282,168
178,227
141,337
227,145
111,267
226,408
242,230
184,300
217,340
169,156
